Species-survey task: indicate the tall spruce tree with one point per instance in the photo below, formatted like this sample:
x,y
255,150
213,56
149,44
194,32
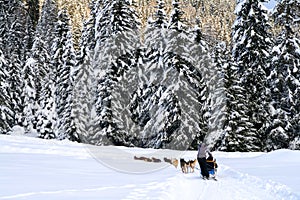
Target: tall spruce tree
x,y
15,46
201,60
116,41
83,78
218,94
84,93
178,39
251,47
30,95
36,70
155,42
284,79
40,61
237,128
46,89
190,90
63,61
181,78
42,47
146,104
157,112
6,117
6,112
46,115
46,24
15,42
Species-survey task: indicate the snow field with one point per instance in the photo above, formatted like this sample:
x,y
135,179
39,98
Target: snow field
x,y
48,169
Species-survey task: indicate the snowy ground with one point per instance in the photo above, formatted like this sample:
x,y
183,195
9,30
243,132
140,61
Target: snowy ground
x,y
32,168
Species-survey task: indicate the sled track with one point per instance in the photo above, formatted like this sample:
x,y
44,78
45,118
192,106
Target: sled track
x,y
231,185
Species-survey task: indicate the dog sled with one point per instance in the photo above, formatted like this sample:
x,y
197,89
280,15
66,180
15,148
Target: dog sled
x,y
211,168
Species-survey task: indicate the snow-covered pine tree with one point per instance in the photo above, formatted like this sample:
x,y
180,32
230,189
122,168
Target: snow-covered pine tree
x,y
37,69
159,18
152,65
160,15
29,72
177,36
157,112
146,103
46,115
117,37
44,36
5,105
155,42
84,78
14,24
237,128
88,38
15,47
181,77
41,57
66,84
284,79
38,63
217,97
6,118
63,61
251,47
46,24
186,82
30,94
201,59
86,71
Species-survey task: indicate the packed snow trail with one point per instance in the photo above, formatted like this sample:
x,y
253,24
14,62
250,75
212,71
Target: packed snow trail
x,y
230,185
47,169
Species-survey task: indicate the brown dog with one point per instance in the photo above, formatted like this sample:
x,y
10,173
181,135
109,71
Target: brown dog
x,y
172,161
175,162
183,165
192,164
143,158
156,160
168,160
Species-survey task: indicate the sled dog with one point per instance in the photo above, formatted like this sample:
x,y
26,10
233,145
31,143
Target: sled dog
x,y
184,165
192,164
172,161
175,162
143,158
167,160
156,160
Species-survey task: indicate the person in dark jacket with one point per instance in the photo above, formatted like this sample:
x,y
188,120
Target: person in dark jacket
x,y
201,157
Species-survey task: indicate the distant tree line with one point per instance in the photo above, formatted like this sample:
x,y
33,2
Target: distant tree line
x,y
163,86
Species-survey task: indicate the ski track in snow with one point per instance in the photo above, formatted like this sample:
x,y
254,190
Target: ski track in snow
x,y
39,169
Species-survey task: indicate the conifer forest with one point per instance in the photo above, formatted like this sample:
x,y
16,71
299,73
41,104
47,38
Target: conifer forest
x,y
152,73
